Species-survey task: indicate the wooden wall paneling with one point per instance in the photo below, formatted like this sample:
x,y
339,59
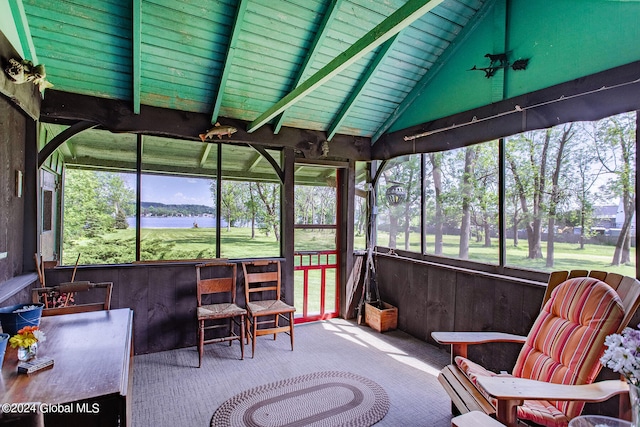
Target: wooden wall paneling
x,y
441,300
185,306
399,281
474,303
531,305
163,326
12,159
507,314
133,293
416,316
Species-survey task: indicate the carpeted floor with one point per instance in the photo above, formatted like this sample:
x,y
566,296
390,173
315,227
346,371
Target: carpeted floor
x,y
169,390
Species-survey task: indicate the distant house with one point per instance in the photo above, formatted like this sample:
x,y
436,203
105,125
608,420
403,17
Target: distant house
x,y
606,216
620,219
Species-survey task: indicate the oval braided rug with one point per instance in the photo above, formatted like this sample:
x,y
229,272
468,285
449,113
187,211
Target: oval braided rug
x,y
328,399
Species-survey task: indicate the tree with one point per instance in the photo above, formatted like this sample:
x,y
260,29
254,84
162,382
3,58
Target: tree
x,y
232,199
616,151
269,194
466,188
436,173
401,175
566,134
526,157
93,202
485,190
588,170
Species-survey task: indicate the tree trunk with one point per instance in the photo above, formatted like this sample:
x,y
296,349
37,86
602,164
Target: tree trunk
x,y
253,212
467,194
535,238
437,185
554,198
622,253
393,229
487,235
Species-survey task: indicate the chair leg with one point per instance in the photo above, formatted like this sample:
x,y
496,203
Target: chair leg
x,y
253,337
200,341
291,328
231,329
275,321
242,337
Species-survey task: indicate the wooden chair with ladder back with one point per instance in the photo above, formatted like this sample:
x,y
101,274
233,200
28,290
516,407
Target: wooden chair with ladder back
x,y
216,282
263,279
555,371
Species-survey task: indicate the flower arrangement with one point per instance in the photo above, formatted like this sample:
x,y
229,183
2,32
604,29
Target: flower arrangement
x,y
27,336
623,356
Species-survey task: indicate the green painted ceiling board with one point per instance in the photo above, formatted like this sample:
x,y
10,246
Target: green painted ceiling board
x,y
23,30
233,39
400,19
137,55
357,92
304,70
470,31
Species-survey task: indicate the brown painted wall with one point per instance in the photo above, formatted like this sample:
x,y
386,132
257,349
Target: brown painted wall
x,y
162,296
433,297
12,136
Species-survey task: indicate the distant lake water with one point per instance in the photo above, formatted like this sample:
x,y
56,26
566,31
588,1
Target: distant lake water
x,y
175,222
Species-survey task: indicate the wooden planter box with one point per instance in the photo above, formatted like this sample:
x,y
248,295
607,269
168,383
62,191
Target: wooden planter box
x,y
381,319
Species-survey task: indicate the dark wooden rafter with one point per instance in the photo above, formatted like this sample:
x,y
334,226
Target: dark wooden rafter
x,y
420,87
276,167
587,98
328,17
62,137
355,94
137,54
117,116
228,62
400,19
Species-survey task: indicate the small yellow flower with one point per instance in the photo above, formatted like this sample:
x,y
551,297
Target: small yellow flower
x,y
26,337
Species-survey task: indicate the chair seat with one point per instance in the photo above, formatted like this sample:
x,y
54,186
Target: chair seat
x,y
220,311
266,307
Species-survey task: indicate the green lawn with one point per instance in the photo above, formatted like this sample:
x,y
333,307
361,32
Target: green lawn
x,y
199,243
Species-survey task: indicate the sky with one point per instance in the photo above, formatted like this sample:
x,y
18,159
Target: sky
x,y
173,190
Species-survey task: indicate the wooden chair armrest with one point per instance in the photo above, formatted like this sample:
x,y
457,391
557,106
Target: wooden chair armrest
x,y
460,340
511,392
525,389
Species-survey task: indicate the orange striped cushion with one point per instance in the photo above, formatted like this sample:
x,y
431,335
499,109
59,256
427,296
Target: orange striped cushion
x,y
564,346
567,339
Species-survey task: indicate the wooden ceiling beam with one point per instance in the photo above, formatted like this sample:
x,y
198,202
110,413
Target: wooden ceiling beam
x,y
321,34
396,22
22,28
228,62
136,40
118,117
355,94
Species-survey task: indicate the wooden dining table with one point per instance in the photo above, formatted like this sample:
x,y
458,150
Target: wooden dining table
x,y
91,378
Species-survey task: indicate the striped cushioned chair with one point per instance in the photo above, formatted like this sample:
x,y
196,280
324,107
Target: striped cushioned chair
x,y
563,347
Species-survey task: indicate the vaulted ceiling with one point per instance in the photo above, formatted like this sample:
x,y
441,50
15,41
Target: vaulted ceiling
x,y
349,72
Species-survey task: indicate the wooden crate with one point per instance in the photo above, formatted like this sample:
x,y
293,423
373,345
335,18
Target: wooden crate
x,y
383,319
